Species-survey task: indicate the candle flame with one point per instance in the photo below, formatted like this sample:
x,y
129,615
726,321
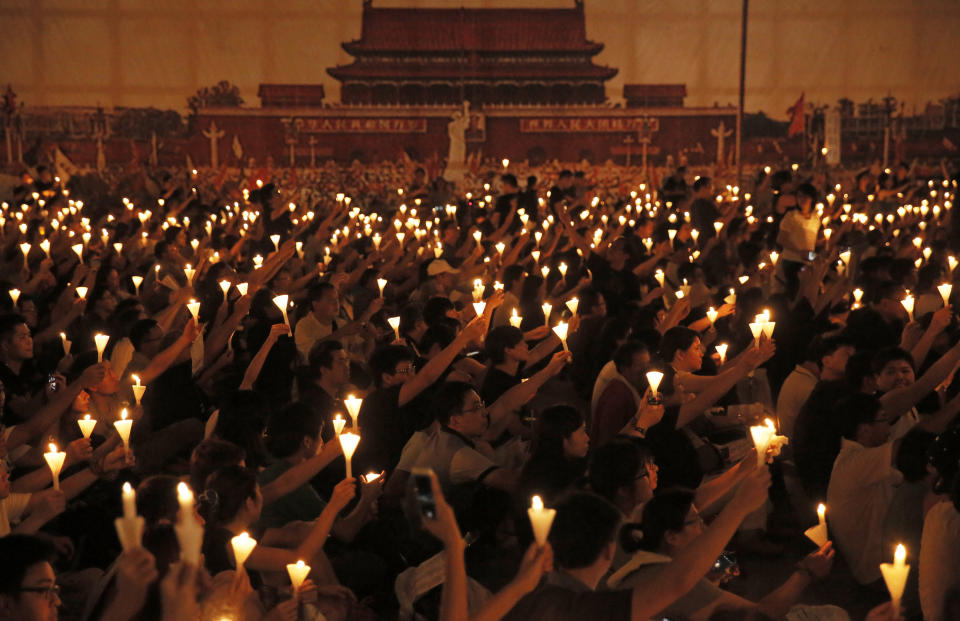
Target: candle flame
x,y
536,503
821,510
900,555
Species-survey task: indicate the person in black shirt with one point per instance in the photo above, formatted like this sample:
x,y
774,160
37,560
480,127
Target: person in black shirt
x,y
563,189
703,209
509,199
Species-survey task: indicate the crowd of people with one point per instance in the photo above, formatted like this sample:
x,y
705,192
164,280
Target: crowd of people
x,y
548,382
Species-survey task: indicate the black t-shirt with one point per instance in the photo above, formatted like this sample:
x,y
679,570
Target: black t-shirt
x,y
617,286
495,383
703,213
816,436
382,422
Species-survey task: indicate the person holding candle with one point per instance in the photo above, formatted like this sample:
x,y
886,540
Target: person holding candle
x,y
385,423
20,378
508,353
671,522
864,477
232,504
826,361
583,538
559,454
622,399
323,319
935,564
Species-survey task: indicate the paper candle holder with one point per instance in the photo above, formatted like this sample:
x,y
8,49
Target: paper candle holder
x,y
653,379
338,424
395,324
561,331
818,534
55,460
243,545
298,573
541,519
87,425
353,405
895,575
101,341
515,319
349,442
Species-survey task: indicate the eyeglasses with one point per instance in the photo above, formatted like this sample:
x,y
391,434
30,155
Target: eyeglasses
x,y
694,520
51,592
404,371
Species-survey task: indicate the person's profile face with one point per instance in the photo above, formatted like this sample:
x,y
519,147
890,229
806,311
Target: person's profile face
x,y
576,445
895,374
36,601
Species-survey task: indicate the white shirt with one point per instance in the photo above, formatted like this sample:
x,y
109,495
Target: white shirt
x,y
939,551
793,394
308,331
860,490
11,511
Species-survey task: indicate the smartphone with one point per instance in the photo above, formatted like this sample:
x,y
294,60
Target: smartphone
x,y
52,381
811,256
423,488
726,562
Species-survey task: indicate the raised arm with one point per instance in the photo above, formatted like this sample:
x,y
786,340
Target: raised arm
x,y
256,363
433,369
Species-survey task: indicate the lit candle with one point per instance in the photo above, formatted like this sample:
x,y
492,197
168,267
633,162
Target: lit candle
x,y
895,575
123,428
276,242
101,342
762,435
722,350
298,573
338,423
477,235
767,329
479,307
540,519
194,307
189,271
138,389
189,530
66,343
561,331
78,248
573,304
14,295
242,288
395,324
515,319
857,294
136,284
87,425
348,442
712,315
908,304
370,477
353,408
818,534
55,461
45,245
547,307
225,287
562,268
659,276
945,290
130,525
653,379
25,249
243,544
281,301
757,329
382,282
82,293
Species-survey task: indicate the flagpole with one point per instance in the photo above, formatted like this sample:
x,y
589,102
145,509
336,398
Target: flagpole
x,y
743,72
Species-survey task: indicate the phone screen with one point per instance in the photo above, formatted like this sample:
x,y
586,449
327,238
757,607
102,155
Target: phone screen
x,y
424,492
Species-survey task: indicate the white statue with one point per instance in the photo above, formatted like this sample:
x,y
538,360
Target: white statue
x,y
457,131
237,148
214,134
720,133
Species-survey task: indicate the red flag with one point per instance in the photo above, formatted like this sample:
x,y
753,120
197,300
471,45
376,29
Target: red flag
x,y
797,118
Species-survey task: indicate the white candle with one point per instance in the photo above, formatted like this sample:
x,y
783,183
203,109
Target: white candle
x,y
818,534
129,501
242,288
298,573
281,301
82,293
395,324
136,284
654,378
895,575
945,290
66,343
349,442
540,519
189,530
138,389
761,440
353,408
767,329
561,331
101,342
123,428
243,544
15,295
757,330
479,307
908,305
573,304
78,248
712,315
547,307
382,283
86,425
194,307
562,268
338,424
130,525
722,351
189,271
515,319
225,287
276,242
45,245
55,461
659,276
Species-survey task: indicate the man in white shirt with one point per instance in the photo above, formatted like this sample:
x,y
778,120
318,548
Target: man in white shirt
x,y
864,477
322,321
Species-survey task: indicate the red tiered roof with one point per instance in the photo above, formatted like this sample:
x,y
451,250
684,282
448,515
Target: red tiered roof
x,y
472,71
412,31
290,95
